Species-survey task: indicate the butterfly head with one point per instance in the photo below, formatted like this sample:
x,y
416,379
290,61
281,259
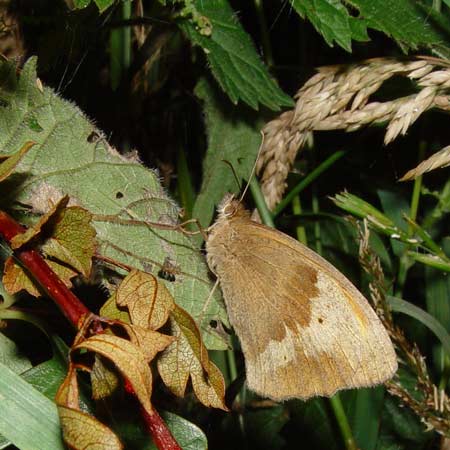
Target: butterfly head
x,y
229,207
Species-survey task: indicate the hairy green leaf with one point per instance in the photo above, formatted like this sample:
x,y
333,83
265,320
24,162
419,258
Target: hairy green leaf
x,y
233,139
133,216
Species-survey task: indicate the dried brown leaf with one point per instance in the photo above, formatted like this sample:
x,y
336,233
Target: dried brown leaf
x,y
73,239
129,360
34,231
148,301
16,279
68,394
187,357
150,342
81,431
10,162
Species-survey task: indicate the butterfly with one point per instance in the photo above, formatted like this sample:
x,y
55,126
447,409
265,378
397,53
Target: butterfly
x,y
304,329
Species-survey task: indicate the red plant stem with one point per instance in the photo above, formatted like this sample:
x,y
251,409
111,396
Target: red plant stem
x,y
75,311
156,425
53,286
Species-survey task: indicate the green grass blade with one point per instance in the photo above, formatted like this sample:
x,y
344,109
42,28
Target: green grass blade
x,y
308,180
28,419
402,306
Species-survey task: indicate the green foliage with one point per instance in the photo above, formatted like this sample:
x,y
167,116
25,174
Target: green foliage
x,y
184,83
406,21
232,57
233,139
25,408
129,217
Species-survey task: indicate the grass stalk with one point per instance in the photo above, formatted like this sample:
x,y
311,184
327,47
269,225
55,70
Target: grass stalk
x,y
264,29
343,423
321,168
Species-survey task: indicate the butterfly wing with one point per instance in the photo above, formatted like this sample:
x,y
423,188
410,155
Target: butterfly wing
x,y
305,330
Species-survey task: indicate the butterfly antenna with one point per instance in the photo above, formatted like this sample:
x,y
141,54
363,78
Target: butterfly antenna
x,y
234,173
252,173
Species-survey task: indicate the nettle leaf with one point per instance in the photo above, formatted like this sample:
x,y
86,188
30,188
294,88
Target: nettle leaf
x,y
231,55
331,19
187,358
134,219
101,4
233,136
8,163
412,25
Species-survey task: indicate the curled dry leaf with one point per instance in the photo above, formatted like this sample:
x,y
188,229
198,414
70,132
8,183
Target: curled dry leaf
x,y
150,342
68,393
184,355
104,379
67,236
9,162
129,360
16,279
73,239
34,231
435,161
187,357
81,431
147,300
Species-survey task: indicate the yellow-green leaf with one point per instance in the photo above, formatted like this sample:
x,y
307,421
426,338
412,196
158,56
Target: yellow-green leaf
x,y
187,357
129,360
104,380
150,342
67,234
68,393
73,239
9,162
16,279
81,431
148,301
22,239
111,311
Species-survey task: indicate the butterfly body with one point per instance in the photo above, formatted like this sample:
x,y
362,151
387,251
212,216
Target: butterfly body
x,y
304,329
